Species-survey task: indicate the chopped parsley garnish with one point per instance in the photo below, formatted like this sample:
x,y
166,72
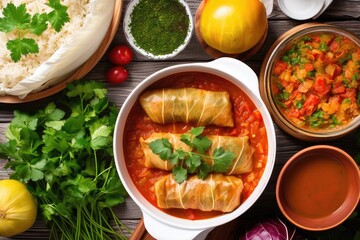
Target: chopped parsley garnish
x,y
306,39
342,60
192,162
316,119
299,104
323,47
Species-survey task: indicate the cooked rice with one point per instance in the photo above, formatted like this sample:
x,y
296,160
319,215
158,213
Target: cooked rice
x,y
49,41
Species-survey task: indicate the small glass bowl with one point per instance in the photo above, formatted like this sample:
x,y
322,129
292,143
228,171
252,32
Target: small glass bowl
x,y
276,50
126,26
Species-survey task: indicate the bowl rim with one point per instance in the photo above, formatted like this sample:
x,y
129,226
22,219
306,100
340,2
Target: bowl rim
x,y
265,91
130,39
313,150
311,12
137,196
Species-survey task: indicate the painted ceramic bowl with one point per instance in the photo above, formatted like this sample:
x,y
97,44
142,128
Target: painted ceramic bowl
x,y
309,81
318,188
161,223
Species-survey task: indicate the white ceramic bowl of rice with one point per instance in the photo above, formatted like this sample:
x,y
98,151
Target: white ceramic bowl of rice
x,y
60,54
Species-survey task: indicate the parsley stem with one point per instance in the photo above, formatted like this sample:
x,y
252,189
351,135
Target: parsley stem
x,y
78,222
118,223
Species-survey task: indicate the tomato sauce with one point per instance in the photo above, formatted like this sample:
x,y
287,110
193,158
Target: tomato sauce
x,y
311,182
316,81
248,122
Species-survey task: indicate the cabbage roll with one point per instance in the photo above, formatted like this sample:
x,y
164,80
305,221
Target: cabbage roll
x,y
199,106
216,193
154,161
239,145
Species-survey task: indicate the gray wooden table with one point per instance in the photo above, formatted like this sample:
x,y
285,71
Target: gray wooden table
x,y
343,13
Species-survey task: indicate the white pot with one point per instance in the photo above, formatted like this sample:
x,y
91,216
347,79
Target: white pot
x,y
164,226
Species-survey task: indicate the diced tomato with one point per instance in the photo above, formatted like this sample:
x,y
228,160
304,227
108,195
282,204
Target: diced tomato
x,y
309,67
316,38
320,87
310,104
338,88
296,113
280,66
349,93
317,54
334,46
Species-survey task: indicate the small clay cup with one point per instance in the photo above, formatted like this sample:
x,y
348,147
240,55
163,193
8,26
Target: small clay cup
x,y
352,192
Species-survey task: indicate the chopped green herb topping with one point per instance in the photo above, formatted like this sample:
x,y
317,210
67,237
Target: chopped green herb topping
x,y
191,162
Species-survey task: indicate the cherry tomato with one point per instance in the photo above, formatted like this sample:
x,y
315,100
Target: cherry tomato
x,y
121,55
117,74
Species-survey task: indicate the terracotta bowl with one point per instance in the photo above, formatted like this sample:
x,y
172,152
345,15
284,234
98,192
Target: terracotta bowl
x,y
266,84
318,200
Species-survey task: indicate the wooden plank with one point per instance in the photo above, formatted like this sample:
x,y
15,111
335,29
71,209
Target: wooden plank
x,y
345,13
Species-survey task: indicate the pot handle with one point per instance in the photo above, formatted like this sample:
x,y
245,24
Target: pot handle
x,y
163,231
238,70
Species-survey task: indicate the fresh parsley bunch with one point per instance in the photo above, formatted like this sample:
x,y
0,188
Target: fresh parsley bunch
x,y
17,19
64,154
192,162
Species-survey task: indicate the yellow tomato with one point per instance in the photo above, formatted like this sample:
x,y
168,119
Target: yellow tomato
x,y
233,26
17,208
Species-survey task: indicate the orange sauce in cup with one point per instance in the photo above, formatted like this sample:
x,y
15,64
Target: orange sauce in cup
x,y
315,186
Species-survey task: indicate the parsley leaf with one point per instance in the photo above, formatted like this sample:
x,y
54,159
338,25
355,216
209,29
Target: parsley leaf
x,y
195,140
179,173
203,170
21,46
222,160
14,18
38,23
64,154
58,17
161,147
17,19
193,162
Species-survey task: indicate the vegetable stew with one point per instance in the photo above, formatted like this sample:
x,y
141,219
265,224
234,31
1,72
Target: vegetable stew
x,y
316,81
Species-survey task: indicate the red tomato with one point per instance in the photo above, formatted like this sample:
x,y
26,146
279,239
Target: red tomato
x,y
117,74
334,46
338,88
321,87
280,66
310,104
309,67
121,55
